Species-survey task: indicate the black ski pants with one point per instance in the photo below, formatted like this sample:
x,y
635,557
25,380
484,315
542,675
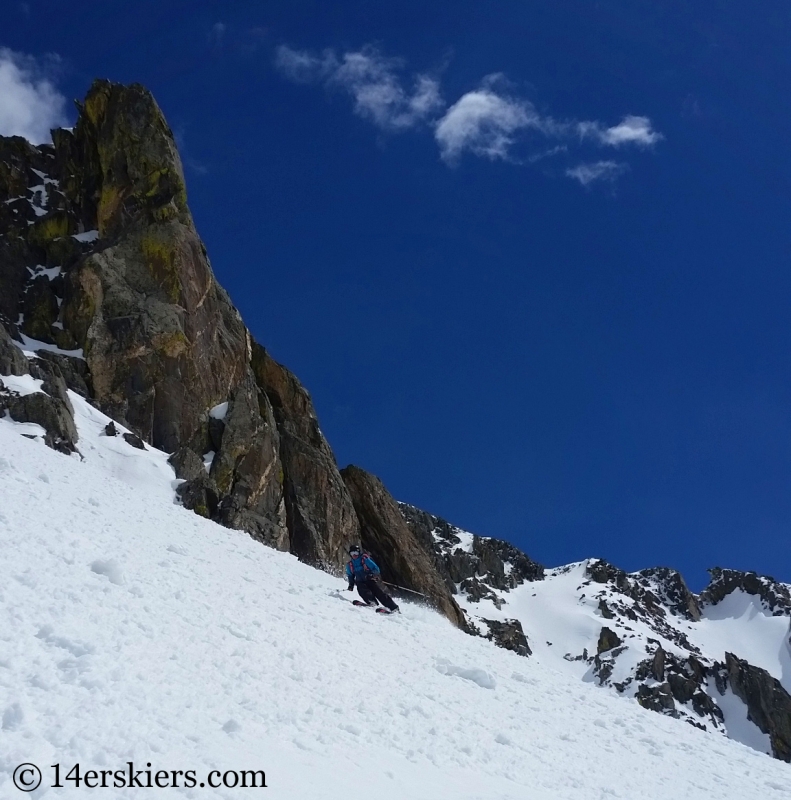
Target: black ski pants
x,y
371,590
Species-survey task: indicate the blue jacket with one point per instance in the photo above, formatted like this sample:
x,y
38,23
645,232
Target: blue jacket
x,y
361,568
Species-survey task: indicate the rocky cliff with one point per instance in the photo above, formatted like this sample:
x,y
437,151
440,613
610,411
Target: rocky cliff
x,y
107,290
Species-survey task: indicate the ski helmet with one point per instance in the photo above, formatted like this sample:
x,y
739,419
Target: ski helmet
x,y
354,548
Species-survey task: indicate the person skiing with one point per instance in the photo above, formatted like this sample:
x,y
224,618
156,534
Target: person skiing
x,y
363,571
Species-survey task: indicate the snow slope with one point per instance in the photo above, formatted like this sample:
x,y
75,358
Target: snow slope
x,y
560,616
134,630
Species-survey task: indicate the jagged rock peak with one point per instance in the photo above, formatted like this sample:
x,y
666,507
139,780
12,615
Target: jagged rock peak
x,y
655,588
464,556
476,568
99,258
122,134
776,596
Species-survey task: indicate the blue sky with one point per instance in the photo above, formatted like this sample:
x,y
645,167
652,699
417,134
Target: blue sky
x,y
531,259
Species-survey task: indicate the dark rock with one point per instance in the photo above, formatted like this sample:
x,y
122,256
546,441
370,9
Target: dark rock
x,y
705,706
161,338
200,495
776,596
768,703
608,640
673,592
642,589
477,590
51,413
495,554
247,470
215,428
73,370
393,545
604,610
53,382
508,635
187,463
604,663
492,562
321,516
40,310
134,440
13,274
657,698
683,688
12,360
601,571
110,429
461,565
658,665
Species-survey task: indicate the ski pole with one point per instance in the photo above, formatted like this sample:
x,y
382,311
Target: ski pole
x,y
402,588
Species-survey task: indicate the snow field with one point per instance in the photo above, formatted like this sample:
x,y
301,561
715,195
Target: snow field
x,y
134,630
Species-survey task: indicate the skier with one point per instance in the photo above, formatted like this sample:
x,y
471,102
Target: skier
x,y
363,571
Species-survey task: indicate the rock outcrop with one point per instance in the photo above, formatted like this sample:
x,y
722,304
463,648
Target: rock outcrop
x,y
480,564
320,513
405,559
768,703
508,634
776,596
48,406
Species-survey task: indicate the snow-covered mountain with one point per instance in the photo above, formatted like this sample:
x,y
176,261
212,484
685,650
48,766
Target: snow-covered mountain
x,y
136,631
720,660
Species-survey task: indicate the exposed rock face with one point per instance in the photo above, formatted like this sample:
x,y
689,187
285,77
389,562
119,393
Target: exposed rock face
x,y
768,703
404,558
161,338
49,407
608,640
647,595
487,562
12,362
672,591
480,568
508,635
99,256
776,596
676,678
321,518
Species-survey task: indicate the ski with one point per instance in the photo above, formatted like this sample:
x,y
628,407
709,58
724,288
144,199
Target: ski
x,y
378,609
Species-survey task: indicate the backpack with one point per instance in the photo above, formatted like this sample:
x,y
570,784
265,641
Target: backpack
x,y
366,569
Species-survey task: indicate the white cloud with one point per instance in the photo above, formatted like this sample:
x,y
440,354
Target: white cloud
x,y
631,130
597,171
487,122
372,80
301,66
491,121
29,103
484,123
